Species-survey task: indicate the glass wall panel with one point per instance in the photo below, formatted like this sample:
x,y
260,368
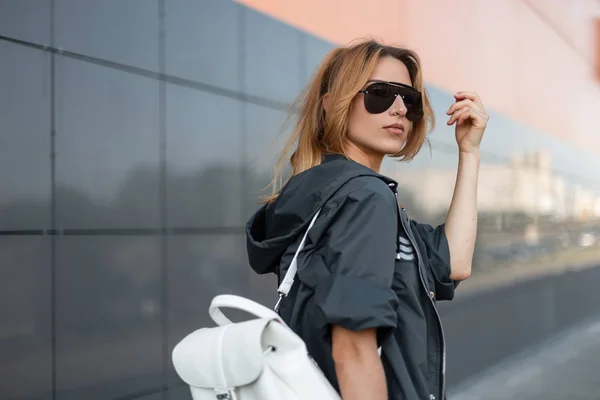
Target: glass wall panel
x,y
107,145
124,32
24,138
202,41
108,310
25,315
204,153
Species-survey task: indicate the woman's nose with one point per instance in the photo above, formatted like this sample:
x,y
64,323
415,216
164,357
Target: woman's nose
x,y
398,107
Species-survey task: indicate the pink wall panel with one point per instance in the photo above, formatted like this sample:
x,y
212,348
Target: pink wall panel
x,y
596,45
529,59
572,19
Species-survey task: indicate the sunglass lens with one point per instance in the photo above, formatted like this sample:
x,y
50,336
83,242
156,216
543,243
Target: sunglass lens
x,y
379,97
414,106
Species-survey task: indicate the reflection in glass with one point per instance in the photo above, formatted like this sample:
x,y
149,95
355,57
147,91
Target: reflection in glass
x,y
154,396
24,140
27,20
204,153
108,309
202,41
532,212
120,31
179,393
528,215
506,139
263,289
158,396
107,145
25,315
266,132
201,267
272,68
316,49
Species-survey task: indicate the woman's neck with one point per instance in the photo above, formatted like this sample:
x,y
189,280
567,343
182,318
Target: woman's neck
x,y
361,156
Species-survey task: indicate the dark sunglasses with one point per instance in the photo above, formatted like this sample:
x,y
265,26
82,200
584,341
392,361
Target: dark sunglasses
x,y
379,97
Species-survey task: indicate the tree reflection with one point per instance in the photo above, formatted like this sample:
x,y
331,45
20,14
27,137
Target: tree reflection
x,y
109,281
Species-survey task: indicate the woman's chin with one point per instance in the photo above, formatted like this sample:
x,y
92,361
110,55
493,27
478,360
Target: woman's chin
x,y
393,150
386,149
393,146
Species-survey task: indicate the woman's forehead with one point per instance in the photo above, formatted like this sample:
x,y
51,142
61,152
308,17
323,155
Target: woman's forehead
x,y
390,69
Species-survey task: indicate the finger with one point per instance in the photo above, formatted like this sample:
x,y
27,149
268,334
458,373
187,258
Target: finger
x,y
476,118
468,95
465,116
458,113
460,104
482,114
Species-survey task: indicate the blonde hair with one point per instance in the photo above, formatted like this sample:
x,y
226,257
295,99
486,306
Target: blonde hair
x,y
342,73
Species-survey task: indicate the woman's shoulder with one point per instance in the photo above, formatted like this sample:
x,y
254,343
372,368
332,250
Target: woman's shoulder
x,y
367,189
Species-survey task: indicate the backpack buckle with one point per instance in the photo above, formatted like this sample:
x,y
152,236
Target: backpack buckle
x,y
228,394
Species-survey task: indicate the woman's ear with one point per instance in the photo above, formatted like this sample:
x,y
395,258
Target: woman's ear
x,y
325,101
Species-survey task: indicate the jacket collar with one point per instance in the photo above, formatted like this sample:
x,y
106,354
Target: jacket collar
x,y
333,157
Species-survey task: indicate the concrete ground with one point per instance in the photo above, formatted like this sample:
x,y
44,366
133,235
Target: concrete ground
x,y
564,368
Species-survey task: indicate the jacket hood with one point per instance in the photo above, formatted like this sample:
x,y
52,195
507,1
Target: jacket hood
x,y
276,226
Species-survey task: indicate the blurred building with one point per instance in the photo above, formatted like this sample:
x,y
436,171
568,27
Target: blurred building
x,y
527,184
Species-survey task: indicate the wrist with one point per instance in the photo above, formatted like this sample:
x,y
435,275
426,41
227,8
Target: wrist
x,y
469,156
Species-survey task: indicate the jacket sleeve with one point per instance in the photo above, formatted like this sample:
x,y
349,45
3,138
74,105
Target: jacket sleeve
x,y
438,257
358,251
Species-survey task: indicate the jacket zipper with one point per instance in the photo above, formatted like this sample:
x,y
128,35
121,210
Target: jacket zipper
x,y
409,234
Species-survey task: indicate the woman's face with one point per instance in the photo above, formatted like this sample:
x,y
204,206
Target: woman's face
x,y
376,135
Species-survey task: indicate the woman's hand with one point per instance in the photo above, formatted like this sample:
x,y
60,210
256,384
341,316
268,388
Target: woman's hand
x,y
471,120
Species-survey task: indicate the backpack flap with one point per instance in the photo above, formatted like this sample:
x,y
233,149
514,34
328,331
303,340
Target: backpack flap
x,y
291,364
224,357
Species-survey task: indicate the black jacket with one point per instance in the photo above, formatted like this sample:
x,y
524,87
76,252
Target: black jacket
x,y
355,271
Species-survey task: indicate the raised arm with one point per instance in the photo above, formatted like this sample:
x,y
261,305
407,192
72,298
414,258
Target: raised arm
x,y
461,223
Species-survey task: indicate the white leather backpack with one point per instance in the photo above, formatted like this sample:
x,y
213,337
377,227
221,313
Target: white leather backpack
x,y
259,359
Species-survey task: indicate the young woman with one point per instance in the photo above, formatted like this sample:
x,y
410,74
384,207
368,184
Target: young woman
x,y
369,277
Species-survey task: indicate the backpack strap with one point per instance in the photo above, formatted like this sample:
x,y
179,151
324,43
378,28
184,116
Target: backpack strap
x,y
288,280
